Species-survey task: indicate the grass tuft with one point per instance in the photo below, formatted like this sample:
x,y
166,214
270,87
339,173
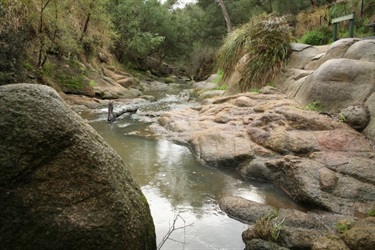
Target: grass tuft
x,y
344,226
266,229
266,42
314,106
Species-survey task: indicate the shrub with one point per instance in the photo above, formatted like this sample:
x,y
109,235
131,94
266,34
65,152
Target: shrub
x,y
69,78
266,40
201,63
318,36
220,75
254,90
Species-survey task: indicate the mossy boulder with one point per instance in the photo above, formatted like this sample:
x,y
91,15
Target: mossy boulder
x,y
61,185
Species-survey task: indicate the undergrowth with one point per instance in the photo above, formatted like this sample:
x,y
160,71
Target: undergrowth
x,y
319,36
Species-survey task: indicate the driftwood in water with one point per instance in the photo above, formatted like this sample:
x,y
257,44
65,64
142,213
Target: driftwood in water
x,y
112,116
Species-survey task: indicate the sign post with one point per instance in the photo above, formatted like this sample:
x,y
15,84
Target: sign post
x,y
335,22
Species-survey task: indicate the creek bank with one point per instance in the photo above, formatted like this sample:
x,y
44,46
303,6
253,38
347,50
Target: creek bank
x,y
110,83
339,77
62,186
301,230
140,89
322,163
270,137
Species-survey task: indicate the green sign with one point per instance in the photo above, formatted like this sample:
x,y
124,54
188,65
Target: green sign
x,y
342,18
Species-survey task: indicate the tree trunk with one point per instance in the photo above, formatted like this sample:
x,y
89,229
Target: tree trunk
x,y
226,16
85,27
42,57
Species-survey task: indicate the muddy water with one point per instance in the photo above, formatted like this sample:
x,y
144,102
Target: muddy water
x,y
181,192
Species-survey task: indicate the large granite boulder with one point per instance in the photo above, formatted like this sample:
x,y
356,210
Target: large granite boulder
x,y
245,210
339,78
61,185
338,84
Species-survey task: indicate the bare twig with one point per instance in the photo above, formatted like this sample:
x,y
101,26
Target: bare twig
x,y
173,228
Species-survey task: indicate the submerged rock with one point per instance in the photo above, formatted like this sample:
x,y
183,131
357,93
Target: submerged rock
x,y
61,185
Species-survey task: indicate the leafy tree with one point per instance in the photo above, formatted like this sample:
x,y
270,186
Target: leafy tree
x,y
138,25
150,29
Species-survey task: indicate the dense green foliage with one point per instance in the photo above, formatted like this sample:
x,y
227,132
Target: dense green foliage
x,y
319,36
151,29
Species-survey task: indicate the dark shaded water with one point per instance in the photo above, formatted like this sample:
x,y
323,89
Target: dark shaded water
x,y
178,187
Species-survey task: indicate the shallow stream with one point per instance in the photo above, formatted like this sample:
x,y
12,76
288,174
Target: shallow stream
x,y
181,191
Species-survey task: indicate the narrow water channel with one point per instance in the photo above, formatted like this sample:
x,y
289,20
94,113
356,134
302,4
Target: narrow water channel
x,y
178,188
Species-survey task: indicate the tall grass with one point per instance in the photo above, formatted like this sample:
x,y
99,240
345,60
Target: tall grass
x,y
309,20
266,40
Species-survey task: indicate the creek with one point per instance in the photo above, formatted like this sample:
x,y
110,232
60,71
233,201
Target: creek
x,y
180,190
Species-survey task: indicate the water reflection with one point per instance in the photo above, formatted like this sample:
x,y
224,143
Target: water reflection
x,y
173,181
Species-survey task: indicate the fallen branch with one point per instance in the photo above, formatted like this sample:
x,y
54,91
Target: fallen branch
x,y
113,116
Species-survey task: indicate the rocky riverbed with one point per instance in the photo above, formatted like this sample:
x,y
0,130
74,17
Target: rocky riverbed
x,y
324,160
320,162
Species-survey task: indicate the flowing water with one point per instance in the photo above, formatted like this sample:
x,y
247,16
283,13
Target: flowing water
x,y
182,193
